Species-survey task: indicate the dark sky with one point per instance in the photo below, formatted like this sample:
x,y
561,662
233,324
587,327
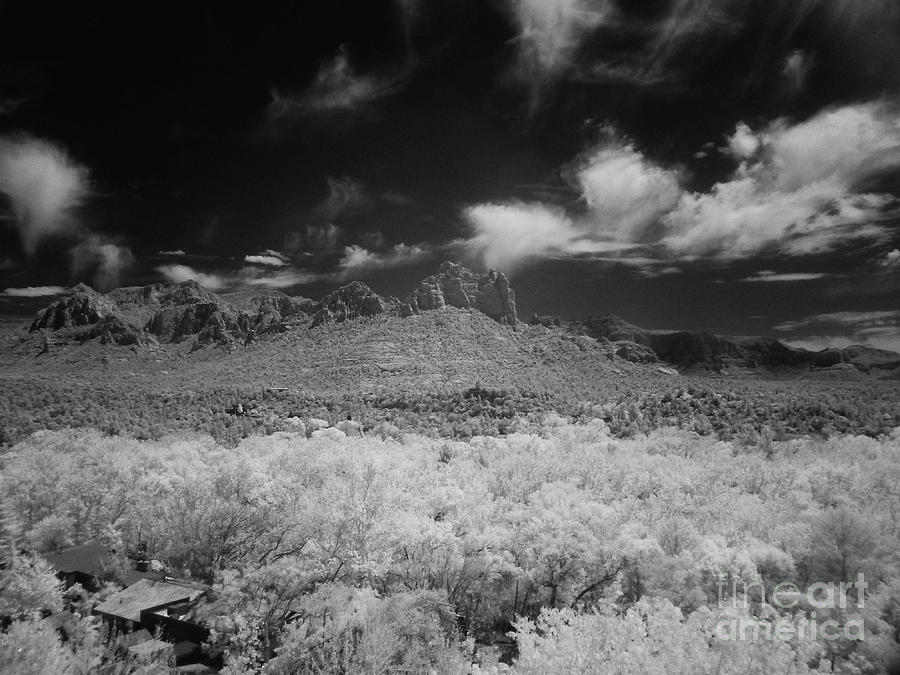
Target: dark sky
x,y
727,165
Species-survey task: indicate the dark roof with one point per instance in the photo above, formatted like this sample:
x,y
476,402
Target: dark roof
x,y
147,594
87,559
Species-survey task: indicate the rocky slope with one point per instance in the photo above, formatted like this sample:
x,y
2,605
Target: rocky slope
x,y
348,302
178,312
458,286
169,313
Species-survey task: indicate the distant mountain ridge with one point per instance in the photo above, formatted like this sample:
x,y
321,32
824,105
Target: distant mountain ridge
x,y
179,312
175,312
701,351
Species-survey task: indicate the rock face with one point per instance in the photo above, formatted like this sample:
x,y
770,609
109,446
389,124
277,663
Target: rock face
x,y
166,313
352,301
83,306
458,286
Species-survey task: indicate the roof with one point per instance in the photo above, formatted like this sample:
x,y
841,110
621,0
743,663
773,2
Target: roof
x,y
147,594
88,559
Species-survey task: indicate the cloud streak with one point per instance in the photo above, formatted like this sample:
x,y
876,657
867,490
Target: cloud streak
x,y
358,260
247,276
768,276
33,291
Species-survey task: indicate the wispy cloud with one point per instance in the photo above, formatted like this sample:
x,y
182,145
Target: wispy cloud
x,y
33,291
44,186
313,241
346,197
230,279
855,319
181,273
177,252
550,34
768,276
358,260
336,89
102,260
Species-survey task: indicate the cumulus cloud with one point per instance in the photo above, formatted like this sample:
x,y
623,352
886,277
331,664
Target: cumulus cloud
x,y
105,262
44,186
799,189
796,191
505,235
336,89
625,192
33,291
743,143
359,260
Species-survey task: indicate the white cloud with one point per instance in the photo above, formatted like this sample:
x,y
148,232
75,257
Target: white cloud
x,y
505,235
104,261
624,191
891,259
265,259
44,186
177,252
359,260
181,273
246,276
743,143
33,291
798,193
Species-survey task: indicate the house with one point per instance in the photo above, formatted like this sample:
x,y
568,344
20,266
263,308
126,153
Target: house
x,y
163,608
151,604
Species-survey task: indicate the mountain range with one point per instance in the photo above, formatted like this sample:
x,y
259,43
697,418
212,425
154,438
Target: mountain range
x,y
186,312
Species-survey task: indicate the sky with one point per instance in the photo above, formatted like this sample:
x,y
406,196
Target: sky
x,y
722,165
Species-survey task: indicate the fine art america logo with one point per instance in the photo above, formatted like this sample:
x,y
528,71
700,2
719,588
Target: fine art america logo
x,y
814,613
